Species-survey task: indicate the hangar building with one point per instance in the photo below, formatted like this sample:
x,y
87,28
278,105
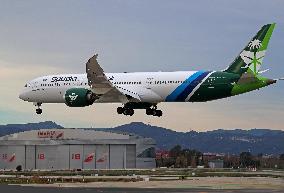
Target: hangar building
x,y
69,149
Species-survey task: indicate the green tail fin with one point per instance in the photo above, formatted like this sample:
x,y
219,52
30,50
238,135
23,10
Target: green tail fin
x,y
250,58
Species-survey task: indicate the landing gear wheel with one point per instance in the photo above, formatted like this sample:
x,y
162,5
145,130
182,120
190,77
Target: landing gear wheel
x,y
120,110
154,112
149,111
129,112
158,113
38,111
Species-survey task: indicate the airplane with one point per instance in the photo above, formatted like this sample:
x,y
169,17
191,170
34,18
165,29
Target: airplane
x,y
145,90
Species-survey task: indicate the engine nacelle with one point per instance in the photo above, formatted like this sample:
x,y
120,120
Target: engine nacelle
x,y
79,97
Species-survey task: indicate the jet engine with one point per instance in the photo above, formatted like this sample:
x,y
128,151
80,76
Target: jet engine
x,y
79,97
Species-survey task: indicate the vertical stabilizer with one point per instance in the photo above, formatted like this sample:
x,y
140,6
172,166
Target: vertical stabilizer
x,y
250,58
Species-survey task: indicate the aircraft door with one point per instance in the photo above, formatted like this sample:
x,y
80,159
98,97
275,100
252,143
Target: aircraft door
x,y
149,82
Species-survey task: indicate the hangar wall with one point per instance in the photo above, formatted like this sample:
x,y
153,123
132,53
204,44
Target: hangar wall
x,y
70,152
65,157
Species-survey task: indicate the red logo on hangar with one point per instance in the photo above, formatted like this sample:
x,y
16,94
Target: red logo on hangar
x,y
89,157
103,158
9,158
41,156
51,134
76,156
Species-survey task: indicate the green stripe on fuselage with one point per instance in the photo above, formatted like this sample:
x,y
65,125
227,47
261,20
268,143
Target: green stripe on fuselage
x,y
222,84
217,85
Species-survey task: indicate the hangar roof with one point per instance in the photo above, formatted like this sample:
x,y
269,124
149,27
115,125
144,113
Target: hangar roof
x,y
65,134
72,137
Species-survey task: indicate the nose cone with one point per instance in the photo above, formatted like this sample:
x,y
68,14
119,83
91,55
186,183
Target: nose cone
x,y
23,95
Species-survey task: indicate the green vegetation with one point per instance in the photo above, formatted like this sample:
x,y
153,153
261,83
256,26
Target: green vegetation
x,y
185,158
48,177
181,158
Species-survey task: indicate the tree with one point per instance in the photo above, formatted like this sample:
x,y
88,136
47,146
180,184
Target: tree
x,y
181,162
260,155
175,151
246,159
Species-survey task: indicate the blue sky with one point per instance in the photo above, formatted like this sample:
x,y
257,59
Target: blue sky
x,y
47,37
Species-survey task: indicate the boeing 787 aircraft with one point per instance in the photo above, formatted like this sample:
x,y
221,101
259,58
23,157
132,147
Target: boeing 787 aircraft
x,y
144,90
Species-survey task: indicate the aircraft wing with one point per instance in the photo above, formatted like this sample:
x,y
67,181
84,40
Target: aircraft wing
x,y
101,86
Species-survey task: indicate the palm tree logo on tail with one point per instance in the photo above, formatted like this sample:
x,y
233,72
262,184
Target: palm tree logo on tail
x,y
255,44
253,58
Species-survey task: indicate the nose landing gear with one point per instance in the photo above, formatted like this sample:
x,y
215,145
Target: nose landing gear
x,y
38,110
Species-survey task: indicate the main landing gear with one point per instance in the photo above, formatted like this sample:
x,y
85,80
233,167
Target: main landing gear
x,y
38,110
154,112
125,111
128,109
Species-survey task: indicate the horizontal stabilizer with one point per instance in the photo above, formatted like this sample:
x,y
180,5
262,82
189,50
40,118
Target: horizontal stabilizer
x,y
260,72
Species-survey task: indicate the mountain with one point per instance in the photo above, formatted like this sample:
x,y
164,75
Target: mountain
x,y
219,141
15,128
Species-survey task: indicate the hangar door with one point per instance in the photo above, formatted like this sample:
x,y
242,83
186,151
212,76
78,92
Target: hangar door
x,y
52,157
12,156
30,157
89,160
130,156
102,157
117,156
75,157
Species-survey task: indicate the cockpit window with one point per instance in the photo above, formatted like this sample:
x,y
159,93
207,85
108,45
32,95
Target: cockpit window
x,y
26,85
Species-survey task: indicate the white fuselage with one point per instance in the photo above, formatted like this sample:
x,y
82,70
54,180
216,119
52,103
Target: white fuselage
x,y
149,86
